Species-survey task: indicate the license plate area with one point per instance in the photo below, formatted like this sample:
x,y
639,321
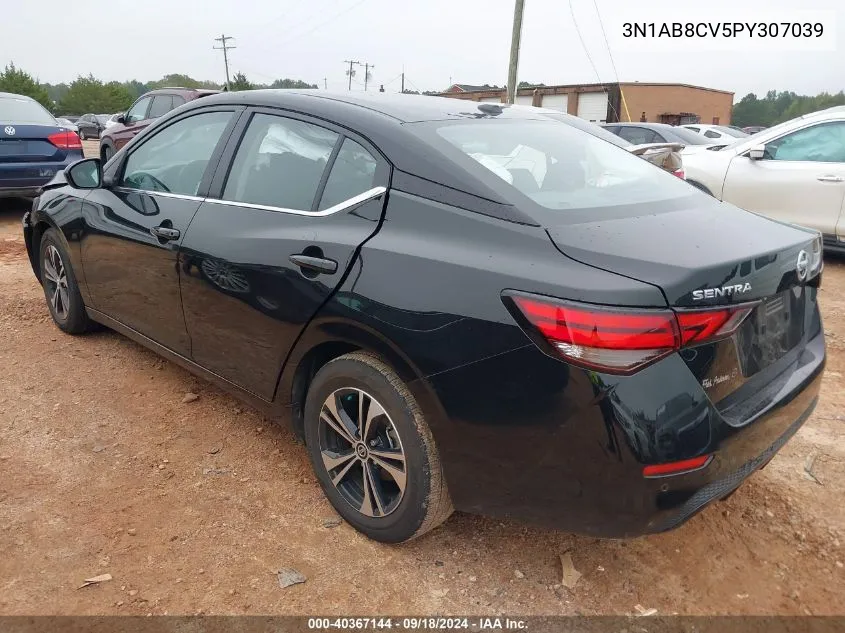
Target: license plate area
x,y
774,328
11,148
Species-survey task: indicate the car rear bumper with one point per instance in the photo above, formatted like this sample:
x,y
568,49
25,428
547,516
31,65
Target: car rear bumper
x,y
526,437
24,179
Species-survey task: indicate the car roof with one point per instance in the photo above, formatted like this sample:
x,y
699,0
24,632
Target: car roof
x,y
12,95
402,108
179,90
659,126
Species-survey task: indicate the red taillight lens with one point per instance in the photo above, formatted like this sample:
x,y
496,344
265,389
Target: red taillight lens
x,y
680,174
620,341
676,468
65,140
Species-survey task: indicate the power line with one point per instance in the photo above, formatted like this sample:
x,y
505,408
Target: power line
x,y
587,53
223,39
612,63
321,24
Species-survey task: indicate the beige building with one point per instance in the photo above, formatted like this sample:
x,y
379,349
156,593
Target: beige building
x,y
608,103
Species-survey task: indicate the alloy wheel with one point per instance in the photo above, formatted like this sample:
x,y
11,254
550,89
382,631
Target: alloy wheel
x,y
362,452
55,277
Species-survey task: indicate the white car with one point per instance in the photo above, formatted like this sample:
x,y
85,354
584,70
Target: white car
x,y
112,120
794,172
717,133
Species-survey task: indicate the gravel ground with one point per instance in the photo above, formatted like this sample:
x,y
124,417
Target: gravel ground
x,y
194,506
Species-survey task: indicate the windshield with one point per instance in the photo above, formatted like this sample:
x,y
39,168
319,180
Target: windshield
x,y
589,128
688,136
731,131
558,166
102,118
765,131
21,111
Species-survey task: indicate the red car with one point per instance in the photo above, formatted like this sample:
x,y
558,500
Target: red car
x,y
144,111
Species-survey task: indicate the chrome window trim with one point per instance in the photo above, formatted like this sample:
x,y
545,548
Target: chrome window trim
x,y
163,194
375,192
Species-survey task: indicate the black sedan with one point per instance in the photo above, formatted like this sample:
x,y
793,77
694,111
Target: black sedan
x,y
455,305
91,125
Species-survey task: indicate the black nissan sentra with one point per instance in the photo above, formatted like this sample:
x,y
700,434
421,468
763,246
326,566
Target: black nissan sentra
x,y
457,305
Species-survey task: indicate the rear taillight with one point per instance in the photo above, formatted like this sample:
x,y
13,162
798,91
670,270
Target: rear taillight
x,y
677,468
680,174
65,140
617,340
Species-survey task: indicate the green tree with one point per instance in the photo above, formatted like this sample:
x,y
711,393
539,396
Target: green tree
x,y
20,82
88,94
291,83
240,82
777,107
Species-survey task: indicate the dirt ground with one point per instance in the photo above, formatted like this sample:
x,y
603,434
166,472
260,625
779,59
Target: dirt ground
x,y
193,507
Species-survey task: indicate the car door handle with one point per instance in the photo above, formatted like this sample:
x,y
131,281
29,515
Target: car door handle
x,y
831,178
316,264
165,233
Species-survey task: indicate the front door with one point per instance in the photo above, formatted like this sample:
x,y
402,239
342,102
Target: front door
x,y
283,222
800,179
134,121
134,229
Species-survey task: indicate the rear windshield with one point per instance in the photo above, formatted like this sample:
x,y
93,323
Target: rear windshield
x,y
24,111
688,136
558,166
731,131
590,128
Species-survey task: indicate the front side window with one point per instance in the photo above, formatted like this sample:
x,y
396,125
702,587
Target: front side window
x,y
162,104
279,163
353,172
138,112
823,143
556,166
175,159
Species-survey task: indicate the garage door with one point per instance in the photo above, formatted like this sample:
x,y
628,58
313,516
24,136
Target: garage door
x,y
491,100
555,102
593,106
524,99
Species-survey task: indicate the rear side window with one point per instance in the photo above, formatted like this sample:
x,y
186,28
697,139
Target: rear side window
x,y
353,172
712,134
162,104
22,111
178,100
138,112
279,163
175,159
694,129
637,135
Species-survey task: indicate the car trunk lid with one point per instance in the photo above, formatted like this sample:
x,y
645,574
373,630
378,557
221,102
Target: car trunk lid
x,y
28,143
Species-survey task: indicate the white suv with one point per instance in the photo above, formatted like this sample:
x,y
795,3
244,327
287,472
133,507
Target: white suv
x,y
794,172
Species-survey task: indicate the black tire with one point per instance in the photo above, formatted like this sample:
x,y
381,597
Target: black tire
x,y
67,310
82,136
423,502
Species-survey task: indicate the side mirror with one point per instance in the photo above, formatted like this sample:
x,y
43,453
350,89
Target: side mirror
x,y
757,152
85,174
122,119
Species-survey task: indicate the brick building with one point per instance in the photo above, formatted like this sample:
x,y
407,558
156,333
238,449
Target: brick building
x,y
608,103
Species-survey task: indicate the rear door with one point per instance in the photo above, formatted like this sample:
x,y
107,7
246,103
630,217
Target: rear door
x,y
134,229
291,203
801,178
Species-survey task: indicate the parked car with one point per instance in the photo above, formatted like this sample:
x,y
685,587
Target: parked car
x,y
753,129
455,305
73,118
665,155
67,123
793,172
33,146
144,111
91,125
717,133
113,119
643,133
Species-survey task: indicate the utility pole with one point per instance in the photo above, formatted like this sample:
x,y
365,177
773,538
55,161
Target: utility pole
x,y
403,82
518,9
225,48
367,74
326,83
351,71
